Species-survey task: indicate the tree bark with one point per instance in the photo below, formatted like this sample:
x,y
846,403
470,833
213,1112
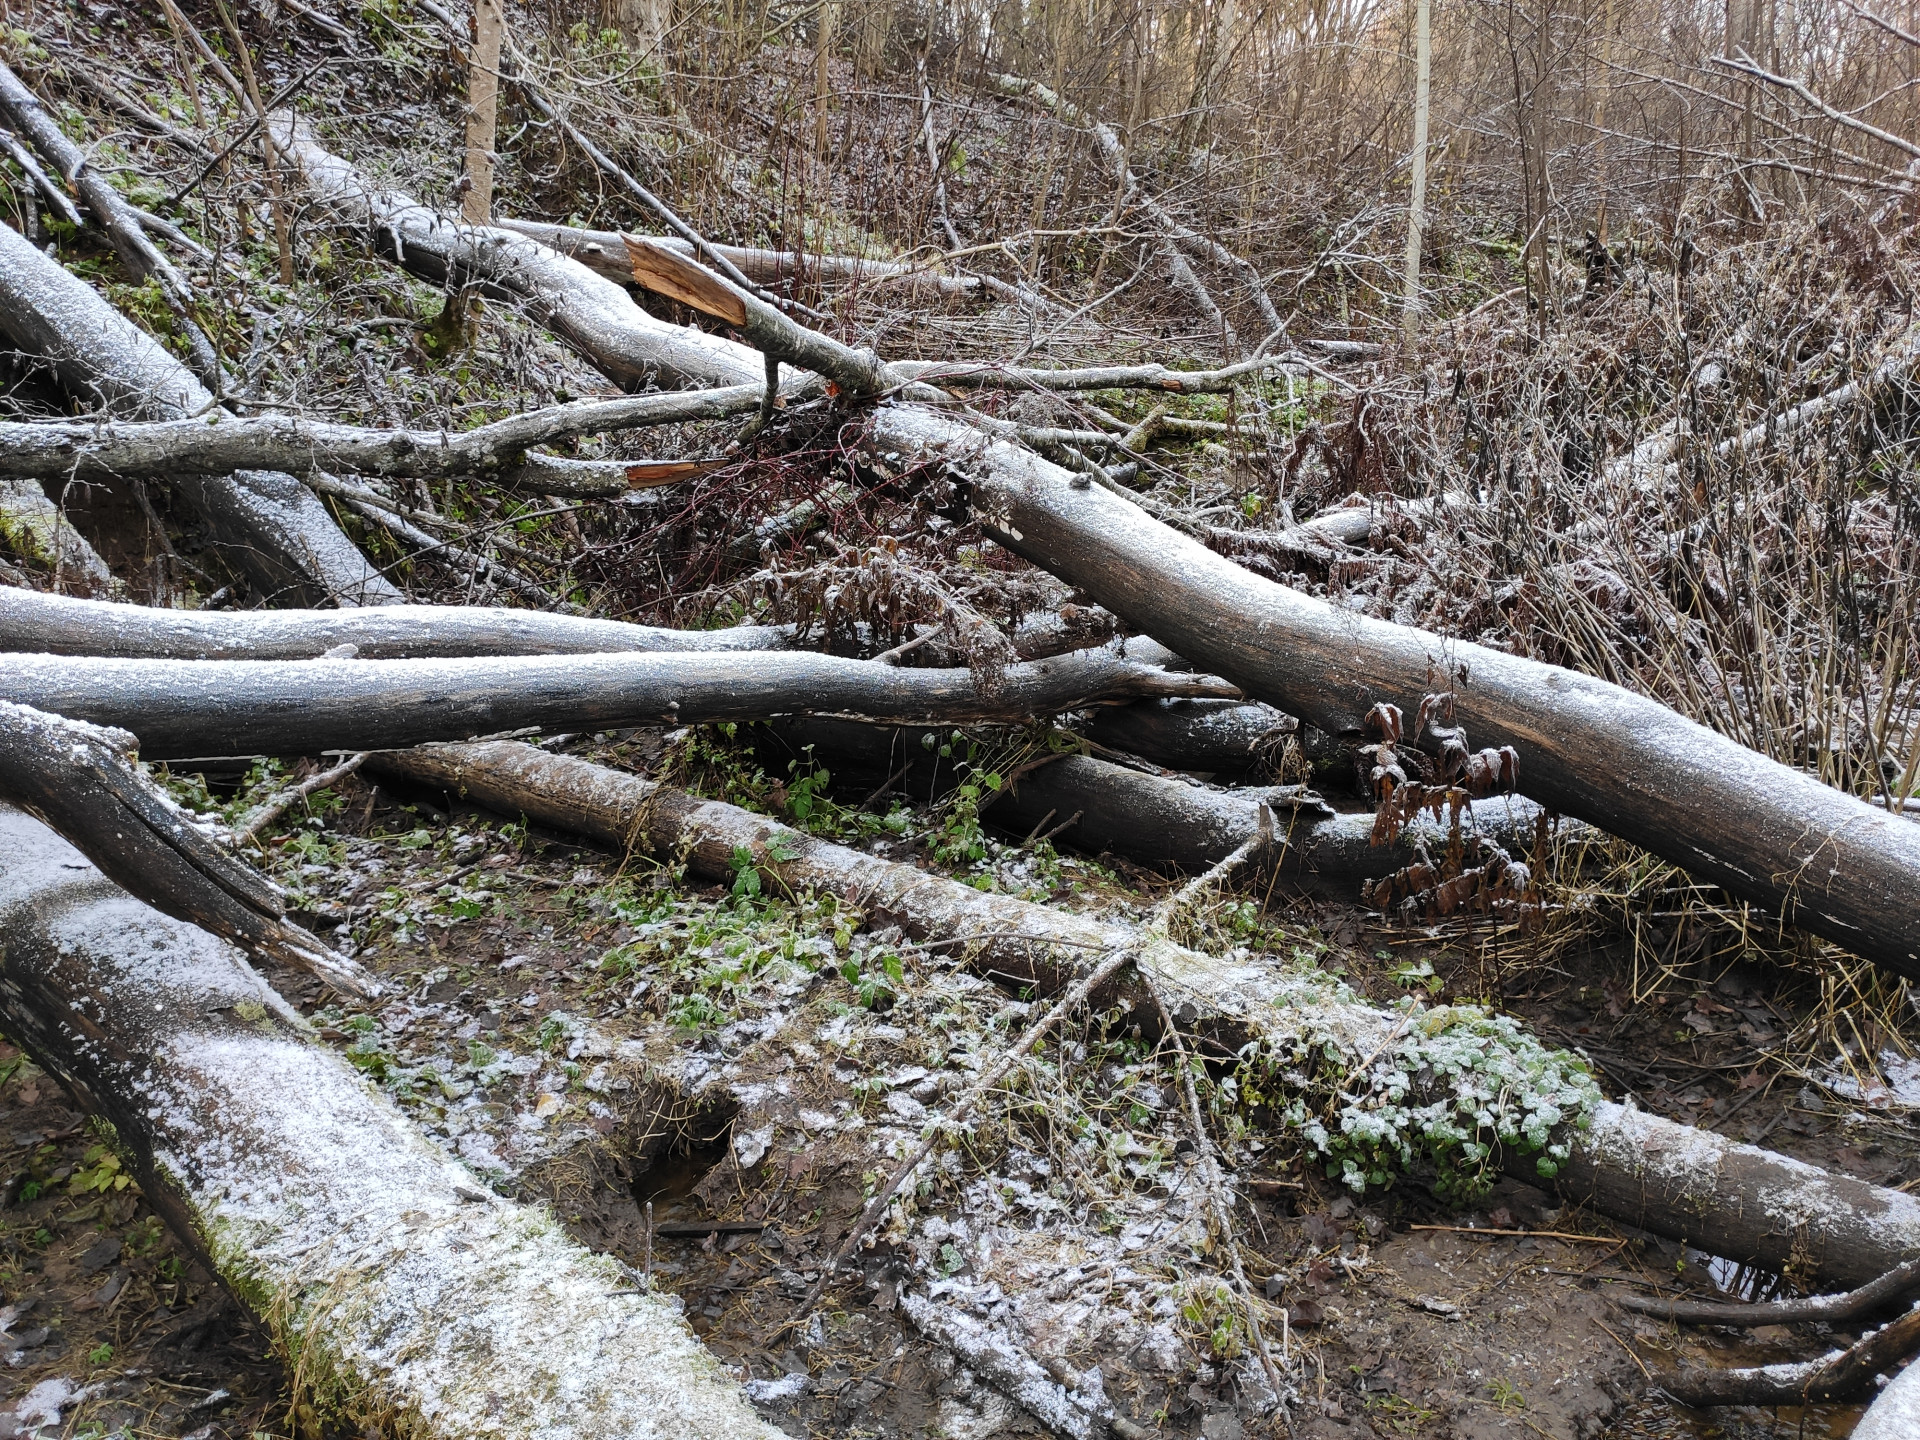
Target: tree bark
x,y
1731,1200
196,708
592,314
1161,820
1843,1375
217,443
53,624
1824,860
483,87
78,779
274,529
605,253
1831,863
35,529
402,1294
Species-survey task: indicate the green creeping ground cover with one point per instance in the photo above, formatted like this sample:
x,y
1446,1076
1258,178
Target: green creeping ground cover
x,y
1451,1089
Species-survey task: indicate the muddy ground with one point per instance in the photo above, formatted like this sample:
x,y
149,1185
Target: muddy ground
x,y
655,1058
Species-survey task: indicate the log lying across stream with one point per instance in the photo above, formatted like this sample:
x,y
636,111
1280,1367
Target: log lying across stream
x,y
205,708
1729,1199
402,1295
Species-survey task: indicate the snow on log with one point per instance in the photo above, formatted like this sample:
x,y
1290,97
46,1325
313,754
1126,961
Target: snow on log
x,y
216,443
54,624
588,311
605,253
1832,864
1823,860
78,779
1732,1200
203,708
401,1294
273,527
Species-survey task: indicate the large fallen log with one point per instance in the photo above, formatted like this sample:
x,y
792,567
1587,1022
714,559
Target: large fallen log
x,y
402,1294
1828,862
201,708
1896,1414
1733,1200
77,778
275,530
34,622
589,312
1822,859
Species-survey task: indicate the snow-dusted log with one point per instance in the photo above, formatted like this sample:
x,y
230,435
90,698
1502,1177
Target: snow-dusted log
x,y
605,252
271,525
32,527
402,1294
1896,1414
1737,1200
54,624
300,707
588,311
1627,764
1731,1200
78,779
1840,1375
1826,861
215,443
1180,734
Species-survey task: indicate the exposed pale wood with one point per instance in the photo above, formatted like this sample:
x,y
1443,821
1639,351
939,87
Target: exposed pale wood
x,y
483,86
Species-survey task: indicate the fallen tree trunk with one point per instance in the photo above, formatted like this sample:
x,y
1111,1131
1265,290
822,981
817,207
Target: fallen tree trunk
x,y
273,528
53,624
216,443
201,708
1822,859
1160,820
1842,1375
34,622
1626,764
400,1293
605,252
114,215
1207,735
78,779
594,315
1732,1200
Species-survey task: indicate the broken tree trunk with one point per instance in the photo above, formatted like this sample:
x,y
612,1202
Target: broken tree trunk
x,y
594,315
605,252
273,527
1732,1200
53,624
200,708
1824,860
78,779
401,1294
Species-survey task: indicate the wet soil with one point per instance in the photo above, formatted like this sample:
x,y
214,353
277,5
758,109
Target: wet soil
x,y
545,1022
